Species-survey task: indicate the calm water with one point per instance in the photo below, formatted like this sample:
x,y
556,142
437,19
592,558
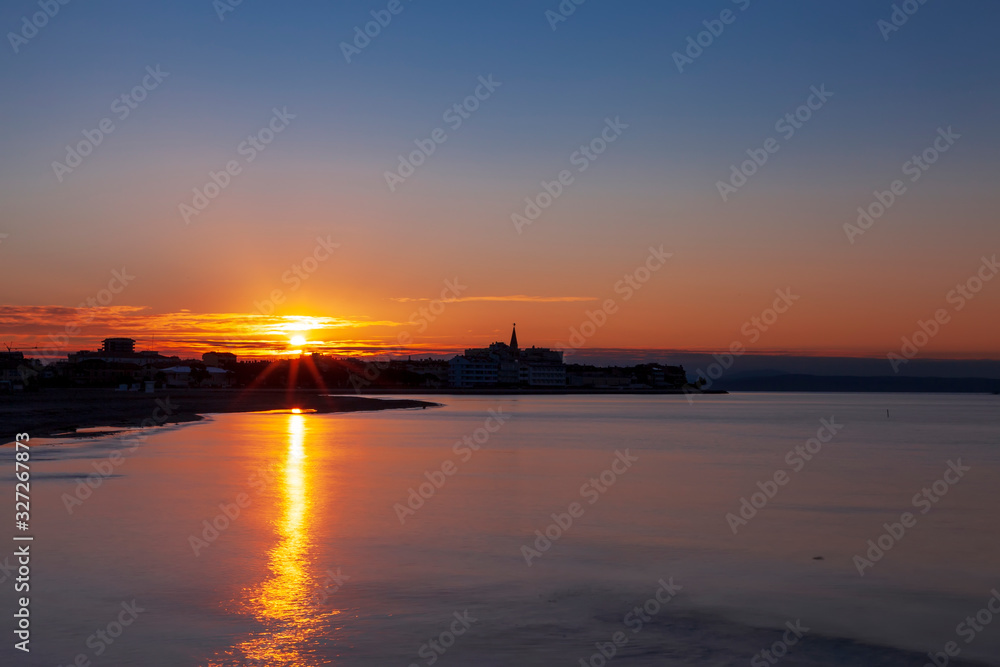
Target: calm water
x,y
318,569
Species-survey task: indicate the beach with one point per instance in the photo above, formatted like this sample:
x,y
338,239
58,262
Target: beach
x,y
62,412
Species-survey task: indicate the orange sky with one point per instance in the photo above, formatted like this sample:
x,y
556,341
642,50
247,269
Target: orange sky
x,y
209,285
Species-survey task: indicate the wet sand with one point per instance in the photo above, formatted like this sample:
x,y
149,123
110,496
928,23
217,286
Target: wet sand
x,y
61,412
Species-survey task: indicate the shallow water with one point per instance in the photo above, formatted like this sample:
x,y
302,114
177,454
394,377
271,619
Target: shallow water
x,y
318,568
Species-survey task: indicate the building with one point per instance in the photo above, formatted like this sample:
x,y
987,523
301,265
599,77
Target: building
x,y
220,359
122,351
186,376
116,363
114,346
643,376
542,367
507,365
16,372
464,371
99,373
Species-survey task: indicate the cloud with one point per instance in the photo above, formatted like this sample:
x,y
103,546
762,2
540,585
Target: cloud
x,y
515,298
53,331
61,316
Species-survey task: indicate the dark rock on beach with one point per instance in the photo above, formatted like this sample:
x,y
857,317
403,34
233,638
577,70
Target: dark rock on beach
x,y
60,412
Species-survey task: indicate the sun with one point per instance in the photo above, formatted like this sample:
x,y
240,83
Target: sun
x,y
297,340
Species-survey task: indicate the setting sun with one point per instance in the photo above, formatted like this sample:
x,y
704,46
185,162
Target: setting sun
x,y
297,340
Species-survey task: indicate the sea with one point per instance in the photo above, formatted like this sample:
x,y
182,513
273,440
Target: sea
x,y
632,530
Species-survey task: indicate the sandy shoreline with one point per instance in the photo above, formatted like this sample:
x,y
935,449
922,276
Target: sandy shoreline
x,y
60,412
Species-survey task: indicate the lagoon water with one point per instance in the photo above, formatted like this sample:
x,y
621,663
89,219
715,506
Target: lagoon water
x,y
319,569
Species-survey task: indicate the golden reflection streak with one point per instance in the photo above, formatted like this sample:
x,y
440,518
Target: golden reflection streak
x,y
285,603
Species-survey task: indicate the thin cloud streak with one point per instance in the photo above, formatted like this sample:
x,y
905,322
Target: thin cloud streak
x,y
514,298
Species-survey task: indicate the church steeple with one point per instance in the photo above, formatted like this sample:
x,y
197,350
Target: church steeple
x,y
513,338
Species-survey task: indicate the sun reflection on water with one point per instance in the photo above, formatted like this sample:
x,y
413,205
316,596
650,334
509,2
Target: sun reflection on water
x,y
285,603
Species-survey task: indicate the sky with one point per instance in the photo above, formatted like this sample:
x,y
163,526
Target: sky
x,y
650,242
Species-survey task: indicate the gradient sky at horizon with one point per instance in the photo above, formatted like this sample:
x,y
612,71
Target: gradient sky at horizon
x,y
324,175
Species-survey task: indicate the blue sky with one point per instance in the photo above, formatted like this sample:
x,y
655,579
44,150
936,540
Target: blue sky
x,y
607,58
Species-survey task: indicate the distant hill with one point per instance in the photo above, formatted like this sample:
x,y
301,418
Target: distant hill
x,y
856,383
